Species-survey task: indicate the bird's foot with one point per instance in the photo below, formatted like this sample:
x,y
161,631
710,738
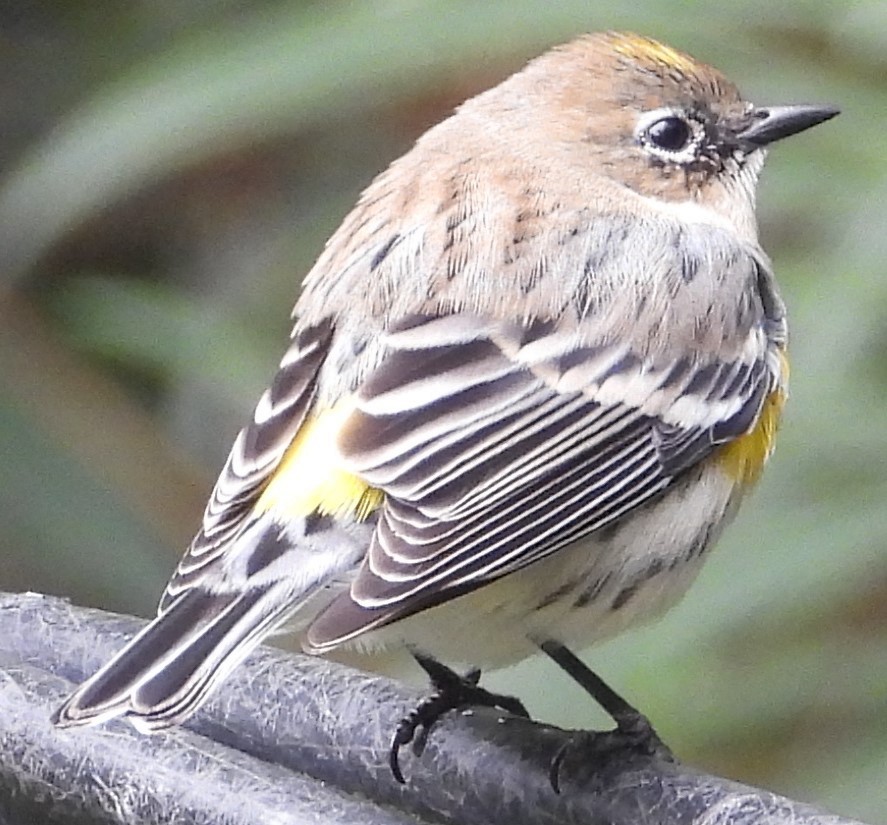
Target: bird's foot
x,y
632,736
451,692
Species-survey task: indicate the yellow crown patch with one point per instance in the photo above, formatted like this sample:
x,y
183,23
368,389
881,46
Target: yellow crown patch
x,y
646,50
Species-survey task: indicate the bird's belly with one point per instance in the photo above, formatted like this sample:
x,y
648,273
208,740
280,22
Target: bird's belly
x,y
617,577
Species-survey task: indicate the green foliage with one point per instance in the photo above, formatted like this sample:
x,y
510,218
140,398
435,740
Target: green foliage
x,y
164,201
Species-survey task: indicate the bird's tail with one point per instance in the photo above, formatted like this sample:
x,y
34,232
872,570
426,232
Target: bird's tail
x,y
163,675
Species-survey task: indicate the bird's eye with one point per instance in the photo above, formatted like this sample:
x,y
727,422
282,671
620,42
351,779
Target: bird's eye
x,y
670,134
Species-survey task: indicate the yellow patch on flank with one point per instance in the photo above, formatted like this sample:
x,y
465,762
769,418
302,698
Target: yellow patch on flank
x,y
645,49
744,459
310,478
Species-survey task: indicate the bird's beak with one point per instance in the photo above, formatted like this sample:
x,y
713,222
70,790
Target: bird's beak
x,y
772,123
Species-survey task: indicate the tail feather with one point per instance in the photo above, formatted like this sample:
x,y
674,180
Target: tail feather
x,y
209,625
167,670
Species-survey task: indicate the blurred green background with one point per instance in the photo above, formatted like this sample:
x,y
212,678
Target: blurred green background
x,y
171,169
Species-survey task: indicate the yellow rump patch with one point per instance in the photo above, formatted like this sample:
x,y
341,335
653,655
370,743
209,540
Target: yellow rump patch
x,y
647,50
744,459
310,478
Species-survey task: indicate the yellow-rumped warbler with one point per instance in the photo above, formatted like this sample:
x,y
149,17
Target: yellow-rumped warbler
x,y
530,378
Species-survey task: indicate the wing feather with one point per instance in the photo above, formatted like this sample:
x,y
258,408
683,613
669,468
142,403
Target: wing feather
x,y
496,445
255,454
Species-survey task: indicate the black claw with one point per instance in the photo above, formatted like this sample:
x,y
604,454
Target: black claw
x,y
513,705
402,736
451,692
404,733
557,761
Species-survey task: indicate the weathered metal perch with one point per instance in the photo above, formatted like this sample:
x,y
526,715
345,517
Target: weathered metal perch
x,y
291,739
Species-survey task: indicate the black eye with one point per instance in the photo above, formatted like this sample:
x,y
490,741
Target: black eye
x,y
671,134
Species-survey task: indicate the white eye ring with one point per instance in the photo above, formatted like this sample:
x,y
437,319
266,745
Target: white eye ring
x,y
670,135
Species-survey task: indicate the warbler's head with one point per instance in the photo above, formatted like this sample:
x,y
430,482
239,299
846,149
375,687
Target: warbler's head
x,y
647,116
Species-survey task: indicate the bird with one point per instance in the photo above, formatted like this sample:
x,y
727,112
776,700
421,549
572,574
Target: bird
x,y
531,378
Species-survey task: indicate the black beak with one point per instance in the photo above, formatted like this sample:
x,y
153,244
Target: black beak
x,y
772,123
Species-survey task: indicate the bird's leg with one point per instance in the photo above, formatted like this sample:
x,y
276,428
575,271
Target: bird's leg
x,y
451,691
633,729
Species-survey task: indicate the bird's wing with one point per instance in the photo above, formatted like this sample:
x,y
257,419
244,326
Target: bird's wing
x,y
255,455
214,611
496,444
